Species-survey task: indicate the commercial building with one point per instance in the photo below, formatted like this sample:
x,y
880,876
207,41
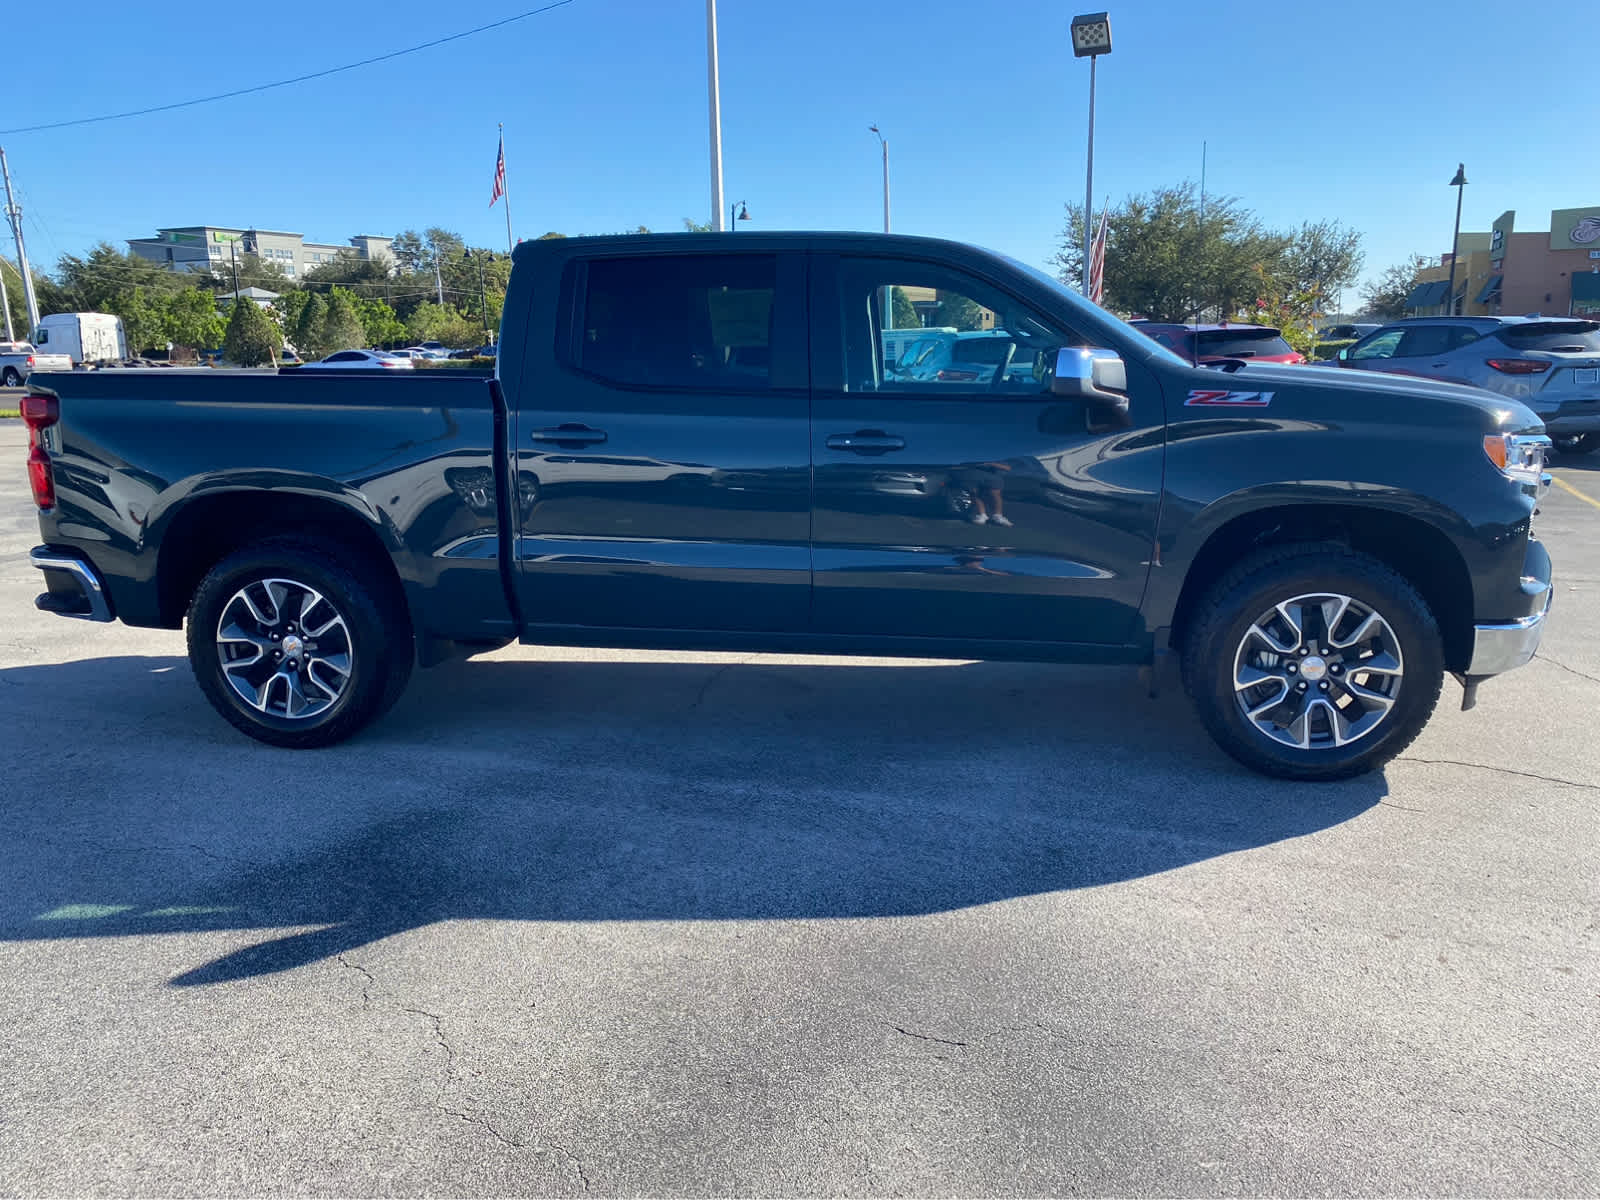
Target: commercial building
x,y
1555,271
202,247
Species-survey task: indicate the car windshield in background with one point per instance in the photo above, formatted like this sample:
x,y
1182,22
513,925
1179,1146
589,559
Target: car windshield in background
x,y
1228,343
1579,337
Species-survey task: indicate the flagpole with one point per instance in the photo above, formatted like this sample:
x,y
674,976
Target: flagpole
x,y
506,196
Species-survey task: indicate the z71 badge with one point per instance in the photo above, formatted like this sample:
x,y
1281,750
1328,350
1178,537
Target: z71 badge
x,y
1205,399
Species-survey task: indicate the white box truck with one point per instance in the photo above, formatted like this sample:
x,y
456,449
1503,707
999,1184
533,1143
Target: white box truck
x,y
84,337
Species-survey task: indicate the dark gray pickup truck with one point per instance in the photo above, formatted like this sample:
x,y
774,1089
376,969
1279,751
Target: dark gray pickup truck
x,y
695,441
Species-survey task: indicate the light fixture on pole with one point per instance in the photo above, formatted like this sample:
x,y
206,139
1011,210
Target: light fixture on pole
x,y
1460,184
882,141
743,214
1091,37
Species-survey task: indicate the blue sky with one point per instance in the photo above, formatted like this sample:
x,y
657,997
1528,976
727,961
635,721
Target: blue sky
x,y
1337,110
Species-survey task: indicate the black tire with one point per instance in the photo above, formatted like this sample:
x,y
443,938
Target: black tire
x,y
12,379
373,630
1576,443
1220,638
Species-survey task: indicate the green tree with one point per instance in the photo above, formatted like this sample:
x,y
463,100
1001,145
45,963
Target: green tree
x,y
341,326
252,339
905,313
690,225
92,283
442,323
16,300
1385,296
192,320
309,326
1171,260
382,327
958,312
143,322
1323,260
289,306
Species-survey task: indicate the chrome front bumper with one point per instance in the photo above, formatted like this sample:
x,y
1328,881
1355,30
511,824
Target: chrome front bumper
x,y
75,589
1503,646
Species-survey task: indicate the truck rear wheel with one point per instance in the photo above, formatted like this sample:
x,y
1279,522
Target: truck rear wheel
x,y
12,378
295,648
1313,662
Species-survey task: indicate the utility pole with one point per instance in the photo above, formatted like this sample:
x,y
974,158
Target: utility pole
x,y
5,301
14,212
714,89
233,258
437,277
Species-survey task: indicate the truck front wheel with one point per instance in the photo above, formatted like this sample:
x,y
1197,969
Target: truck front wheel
x,y
1313,662
293,646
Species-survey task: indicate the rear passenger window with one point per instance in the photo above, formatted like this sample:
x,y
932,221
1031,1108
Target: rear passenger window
x,y
679,321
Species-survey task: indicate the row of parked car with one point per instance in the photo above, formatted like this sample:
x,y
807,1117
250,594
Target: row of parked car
x,y
396,359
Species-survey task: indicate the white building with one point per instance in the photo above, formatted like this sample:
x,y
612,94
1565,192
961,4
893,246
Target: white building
x,y
203,247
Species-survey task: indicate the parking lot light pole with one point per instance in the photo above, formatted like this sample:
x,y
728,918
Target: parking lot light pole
x,y
714,96
884,142
1091,37
1460,185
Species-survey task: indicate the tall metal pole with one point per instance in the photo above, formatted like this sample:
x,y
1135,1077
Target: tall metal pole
x,y
1460,182
885,184
505,192
14,212
1088,182
714,89
5,301
233,258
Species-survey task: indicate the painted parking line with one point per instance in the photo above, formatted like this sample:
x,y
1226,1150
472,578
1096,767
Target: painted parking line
x,y
1568,488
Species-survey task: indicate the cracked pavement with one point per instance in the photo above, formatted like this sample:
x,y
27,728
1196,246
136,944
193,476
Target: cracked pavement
x,y
581,922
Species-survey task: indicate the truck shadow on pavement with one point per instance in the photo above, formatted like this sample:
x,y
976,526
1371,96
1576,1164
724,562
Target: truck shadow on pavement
x,y
561,790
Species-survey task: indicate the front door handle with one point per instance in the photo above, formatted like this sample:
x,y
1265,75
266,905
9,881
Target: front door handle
x,y
570,434
866,441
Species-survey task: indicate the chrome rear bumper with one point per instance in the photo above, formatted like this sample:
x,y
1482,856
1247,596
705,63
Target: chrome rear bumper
x,y
75,588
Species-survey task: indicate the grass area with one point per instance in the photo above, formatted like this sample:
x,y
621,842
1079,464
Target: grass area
x,y
9,412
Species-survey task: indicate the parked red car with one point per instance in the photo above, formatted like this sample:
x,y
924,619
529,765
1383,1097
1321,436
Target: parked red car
x,y
1206,344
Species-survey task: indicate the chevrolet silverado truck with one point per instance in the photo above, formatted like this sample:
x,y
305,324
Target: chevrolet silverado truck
x,y
691,442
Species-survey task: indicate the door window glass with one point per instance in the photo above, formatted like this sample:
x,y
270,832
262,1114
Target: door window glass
x,y
1382,346
679,321
1425,340
980,340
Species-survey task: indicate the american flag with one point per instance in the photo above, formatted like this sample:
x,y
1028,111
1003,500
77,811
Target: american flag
x,y
1097,261
499,173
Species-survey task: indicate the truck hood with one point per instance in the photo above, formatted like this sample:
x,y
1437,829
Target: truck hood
x,y
1487,409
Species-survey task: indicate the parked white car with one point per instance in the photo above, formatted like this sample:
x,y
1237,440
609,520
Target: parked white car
x,y
18,360
357,360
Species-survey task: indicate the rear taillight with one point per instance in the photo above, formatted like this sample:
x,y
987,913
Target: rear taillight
x,y
38,414
30,362
1518,366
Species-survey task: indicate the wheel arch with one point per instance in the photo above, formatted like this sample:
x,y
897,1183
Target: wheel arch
x,y
196,534
1418,551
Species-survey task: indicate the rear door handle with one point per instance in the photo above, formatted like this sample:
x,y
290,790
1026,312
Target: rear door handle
x,y
866,441
570,434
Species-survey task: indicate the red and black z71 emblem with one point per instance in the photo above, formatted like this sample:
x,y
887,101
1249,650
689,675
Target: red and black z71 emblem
x,y
1210,399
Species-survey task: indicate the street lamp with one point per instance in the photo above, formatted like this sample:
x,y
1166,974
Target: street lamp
x,y
482,257
1091,37
744,214
882,142
1460,184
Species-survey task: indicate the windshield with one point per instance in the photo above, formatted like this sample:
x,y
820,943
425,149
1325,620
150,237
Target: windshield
x,y
917,353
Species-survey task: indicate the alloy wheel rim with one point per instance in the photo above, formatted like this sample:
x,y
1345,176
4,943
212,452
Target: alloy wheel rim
x,y
1319,671
284,648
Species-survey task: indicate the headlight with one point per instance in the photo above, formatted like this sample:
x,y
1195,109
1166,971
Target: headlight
x,y
1520,457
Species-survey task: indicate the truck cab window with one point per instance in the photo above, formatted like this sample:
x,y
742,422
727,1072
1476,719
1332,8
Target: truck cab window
x,y
960,336
679,321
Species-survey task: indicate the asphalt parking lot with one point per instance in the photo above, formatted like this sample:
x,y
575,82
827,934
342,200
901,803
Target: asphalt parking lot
x,y
576,922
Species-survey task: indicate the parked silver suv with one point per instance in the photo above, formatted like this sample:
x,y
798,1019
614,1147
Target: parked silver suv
x,y
1551,364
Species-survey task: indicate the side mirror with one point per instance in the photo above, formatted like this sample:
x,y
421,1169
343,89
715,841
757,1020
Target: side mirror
x,y
1097,377
1344,353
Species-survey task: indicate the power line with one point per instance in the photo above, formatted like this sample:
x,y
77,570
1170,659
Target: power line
x,y
265,87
